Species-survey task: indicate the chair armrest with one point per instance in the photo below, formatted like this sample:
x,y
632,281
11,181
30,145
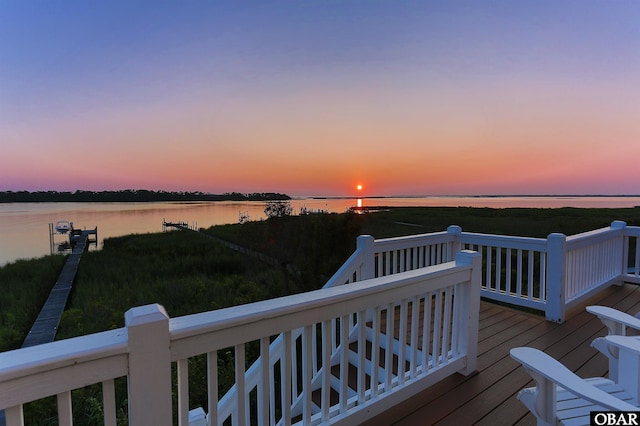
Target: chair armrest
x,y
539,363
628,363
615,320
630,344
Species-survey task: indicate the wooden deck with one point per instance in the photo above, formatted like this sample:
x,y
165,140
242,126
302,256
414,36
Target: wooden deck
x,y
488,397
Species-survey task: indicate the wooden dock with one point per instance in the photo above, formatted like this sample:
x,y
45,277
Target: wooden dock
x,y
182,226
46,325
488,397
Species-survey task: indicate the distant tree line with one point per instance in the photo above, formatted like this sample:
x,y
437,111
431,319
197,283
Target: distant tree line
x,y
133,195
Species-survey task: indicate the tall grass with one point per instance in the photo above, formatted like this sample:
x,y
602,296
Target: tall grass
x,y
315,245
24,287
182,271
188,273
524,222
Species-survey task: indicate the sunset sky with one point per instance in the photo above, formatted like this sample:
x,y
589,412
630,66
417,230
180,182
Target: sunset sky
x,y
312,97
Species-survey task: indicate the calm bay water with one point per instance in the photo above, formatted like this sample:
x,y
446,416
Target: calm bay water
x,y
24,227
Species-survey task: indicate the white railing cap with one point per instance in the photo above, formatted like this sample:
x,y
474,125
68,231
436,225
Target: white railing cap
x,y
145,314
62,353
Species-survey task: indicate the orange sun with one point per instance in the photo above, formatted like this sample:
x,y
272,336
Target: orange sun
x,y
359,187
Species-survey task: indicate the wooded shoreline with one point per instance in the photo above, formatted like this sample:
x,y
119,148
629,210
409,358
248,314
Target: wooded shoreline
x,y
132,195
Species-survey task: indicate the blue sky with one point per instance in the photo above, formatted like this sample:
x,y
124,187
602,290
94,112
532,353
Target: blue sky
x,y
313,97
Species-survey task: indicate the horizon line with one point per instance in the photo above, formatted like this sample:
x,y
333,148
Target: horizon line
x,y
344,196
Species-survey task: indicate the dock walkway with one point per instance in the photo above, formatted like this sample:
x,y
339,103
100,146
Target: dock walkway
x,y
46,324
183,226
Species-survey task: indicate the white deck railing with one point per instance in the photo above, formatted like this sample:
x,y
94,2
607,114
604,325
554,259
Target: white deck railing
x,y
514,268
351,328
631,254
548,274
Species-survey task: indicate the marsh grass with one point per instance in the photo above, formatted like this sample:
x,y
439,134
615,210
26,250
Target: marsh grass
x,y
24,286
180,270
524,222
315,244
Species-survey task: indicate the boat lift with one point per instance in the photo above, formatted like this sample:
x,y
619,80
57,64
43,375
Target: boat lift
x,y
64,227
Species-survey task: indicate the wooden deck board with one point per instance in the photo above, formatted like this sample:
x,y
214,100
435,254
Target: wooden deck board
x,y
488,397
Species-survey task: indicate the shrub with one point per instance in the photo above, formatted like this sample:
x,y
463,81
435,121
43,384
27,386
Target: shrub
x,y
278,209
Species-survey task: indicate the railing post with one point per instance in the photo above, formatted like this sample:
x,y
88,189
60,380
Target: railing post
x,y
618,224
366,243
456,245
624,249
471,308
556,277
149,379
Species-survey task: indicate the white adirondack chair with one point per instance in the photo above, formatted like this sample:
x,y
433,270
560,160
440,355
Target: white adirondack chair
x,y
561,397
617,323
